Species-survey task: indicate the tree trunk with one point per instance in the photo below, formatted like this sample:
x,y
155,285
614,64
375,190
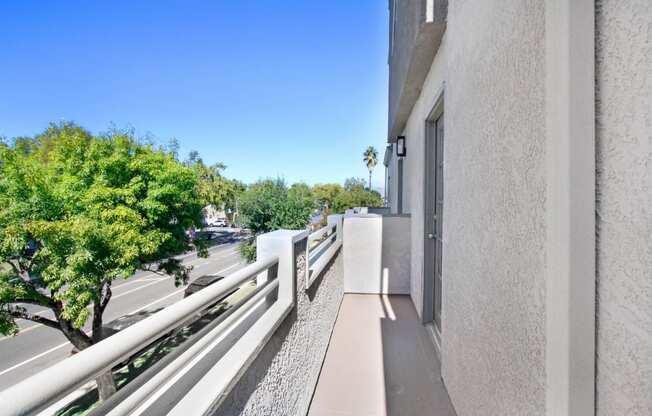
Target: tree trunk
x,y
370,180
105,382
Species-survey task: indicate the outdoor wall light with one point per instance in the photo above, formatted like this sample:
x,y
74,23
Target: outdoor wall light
x,y
400,146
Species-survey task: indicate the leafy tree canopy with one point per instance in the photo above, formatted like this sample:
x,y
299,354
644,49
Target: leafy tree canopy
x,y
335,198
325,194
354,184
214,188
78,211
270,205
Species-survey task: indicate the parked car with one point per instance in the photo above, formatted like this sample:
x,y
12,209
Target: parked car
x,y
202,282
219,222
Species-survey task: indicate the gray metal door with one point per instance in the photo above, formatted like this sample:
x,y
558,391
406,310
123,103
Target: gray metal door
x,y
439,217
434,215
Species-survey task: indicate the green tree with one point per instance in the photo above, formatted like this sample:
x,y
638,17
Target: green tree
x,y
214,188
354,184
269,205
335,198
356,195
211,184
173,148
370,158
236,189
76,213
325,194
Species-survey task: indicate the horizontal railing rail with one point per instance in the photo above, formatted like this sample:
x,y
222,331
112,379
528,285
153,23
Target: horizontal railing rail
x,y
236,349
43,389
322,245
155,380
320,240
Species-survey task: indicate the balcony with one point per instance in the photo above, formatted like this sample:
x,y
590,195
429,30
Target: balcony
x,y
380,361
298,343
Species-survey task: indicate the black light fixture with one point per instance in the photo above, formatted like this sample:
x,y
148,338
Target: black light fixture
x,y
401,150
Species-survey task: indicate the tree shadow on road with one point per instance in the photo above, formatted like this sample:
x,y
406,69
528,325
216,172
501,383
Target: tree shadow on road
x,y
142,365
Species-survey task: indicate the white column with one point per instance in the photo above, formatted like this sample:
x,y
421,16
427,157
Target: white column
x,y
281,243
570,208
338,221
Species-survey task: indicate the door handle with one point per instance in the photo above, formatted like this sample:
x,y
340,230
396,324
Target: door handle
x,y
431,236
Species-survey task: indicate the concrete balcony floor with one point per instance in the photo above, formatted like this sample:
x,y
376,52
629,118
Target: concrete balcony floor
x,y
380,362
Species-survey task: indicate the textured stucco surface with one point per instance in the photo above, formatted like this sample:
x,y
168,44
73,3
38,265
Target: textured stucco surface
x,y
381,362
493,352
413,170
376,253
407,16
395,267
283,377
624,207
411,34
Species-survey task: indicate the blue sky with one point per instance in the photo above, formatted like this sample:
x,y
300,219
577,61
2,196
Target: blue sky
x,y
270,88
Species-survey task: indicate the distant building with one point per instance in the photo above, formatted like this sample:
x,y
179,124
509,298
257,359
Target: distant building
x,y
212,214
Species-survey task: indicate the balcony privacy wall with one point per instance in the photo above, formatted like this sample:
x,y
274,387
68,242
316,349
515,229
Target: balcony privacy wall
x,y
282,378
624,207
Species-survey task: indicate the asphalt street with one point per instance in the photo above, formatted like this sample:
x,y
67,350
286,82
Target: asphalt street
x,y
37,347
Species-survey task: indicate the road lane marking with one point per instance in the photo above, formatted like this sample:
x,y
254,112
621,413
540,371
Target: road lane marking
x,y
29,360
224,270
224,255
153,283
36,357
130,281
211,249
140,279
155,302
162,279
146,277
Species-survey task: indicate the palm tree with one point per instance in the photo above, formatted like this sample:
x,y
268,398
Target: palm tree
x,y
370,158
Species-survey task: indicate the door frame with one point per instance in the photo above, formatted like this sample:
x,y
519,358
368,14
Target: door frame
x,y
436,111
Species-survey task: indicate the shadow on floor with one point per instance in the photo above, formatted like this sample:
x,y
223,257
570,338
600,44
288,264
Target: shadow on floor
x,y
412,373
380,362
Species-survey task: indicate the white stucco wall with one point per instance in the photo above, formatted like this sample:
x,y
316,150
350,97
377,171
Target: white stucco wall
x,y
493,342
413,169
282,378
492,60
624,207
396,252
376,252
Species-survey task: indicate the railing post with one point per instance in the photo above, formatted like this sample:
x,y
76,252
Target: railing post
x,y
338,220
281,243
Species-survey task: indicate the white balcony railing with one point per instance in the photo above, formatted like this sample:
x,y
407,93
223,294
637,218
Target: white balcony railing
x,y
198,376
323,244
